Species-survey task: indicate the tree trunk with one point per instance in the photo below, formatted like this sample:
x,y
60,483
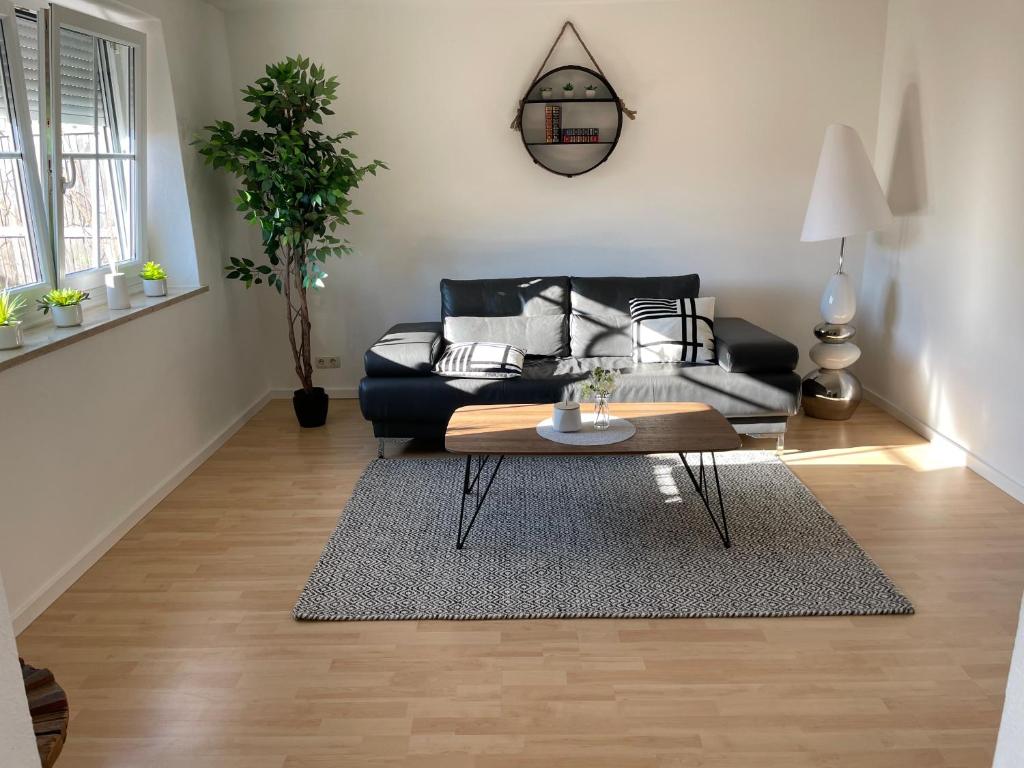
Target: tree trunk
x,y
292,315
305,325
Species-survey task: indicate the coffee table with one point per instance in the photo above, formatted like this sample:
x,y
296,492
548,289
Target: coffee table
x,y
485,432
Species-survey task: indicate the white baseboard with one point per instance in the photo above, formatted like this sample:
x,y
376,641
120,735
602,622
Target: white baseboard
x,y
27,612
339,393
972,461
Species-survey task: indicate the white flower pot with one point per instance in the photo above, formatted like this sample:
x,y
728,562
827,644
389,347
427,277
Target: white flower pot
x,y
117,290
566,417
10,335
591,94
568,94
155,287
546,93
67,317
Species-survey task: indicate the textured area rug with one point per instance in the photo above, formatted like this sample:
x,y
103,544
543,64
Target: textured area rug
x,y
590,537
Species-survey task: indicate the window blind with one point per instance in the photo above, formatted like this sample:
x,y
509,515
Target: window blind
x,y
28,39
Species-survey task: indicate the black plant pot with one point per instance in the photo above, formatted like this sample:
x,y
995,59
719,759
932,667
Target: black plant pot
x,y
310,407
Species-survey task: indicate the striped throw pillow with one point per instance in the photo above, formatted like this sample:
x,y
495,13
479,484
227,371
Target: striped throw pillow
x,y
673,330
480,360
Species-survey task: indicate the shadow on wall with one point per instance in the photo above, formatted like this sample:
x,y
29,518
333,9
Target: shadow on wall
x,y
908,198
908,187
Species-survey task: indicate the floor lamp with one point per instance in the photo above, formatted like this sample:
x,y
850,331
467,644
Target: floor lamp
x,y
846,200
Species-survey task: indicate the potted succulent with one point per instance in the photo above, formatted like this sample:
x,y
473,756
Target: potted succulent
x,y
295,183
11,305
600,386
546,92
568,91
66,305
591,91
154,279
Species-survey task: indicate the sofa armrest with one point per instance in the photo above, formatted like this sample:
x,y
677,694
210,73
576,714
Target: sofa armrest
x,y
407,349
743,347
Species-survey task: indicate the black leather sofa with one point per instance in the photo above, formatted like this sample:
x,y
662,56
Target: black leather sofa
x,y
569,326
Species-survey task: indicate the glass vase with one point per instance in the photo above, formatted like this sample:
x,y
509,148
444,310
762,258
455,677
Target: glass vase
x,y
602,418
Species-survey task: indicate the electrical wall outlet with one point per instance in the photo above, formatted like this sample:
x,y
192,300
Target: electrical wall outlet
x,y
328,362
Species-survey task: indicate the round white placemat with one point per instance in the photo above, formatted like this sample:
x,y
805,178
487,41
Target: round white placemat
x,y
618,430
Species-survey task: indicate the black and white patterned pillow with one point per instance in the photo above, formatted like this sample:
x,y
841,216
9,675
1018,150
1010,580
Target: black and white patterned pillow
x,y
673,330
480,360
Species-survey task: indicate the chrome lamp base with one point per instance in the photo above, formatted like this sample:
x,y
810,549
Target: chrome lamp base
x,y
831,394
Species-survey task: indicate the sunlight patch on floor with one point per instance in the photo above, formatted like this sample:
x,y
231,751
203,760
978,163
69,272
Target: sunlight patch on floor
x,y
922,457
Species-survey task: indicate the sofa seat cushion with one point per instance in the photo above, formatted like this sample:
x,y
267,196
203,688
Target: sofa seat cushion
x,y
432,399
531,313
599,323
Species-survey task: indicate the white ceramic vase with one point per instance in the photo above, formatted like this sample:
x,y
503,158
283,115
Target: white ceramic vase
x,y
839,302
155,287
117,290
10,335
67,317
591,94
546,93
568,94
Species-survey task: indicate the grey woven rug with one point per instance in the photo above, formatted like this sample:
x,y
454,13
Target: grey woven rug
x,y
590,537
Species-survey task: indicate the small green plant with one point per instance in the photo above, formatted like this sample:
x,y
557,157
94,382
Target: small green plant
x,y
591,87
11,305
61,297
568,88
601,383
153,271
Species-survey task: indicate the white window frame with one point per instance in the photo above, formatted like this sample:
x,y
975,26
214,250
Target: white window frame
x,y
36,211
65,18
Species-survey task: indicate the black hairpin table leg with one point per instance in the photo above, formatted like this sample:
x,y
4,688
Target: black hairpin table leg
x,y
471,489
702,484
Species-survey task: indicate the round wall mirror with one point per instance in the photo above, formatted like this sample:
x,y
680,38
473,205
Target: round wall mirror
x,y
570,131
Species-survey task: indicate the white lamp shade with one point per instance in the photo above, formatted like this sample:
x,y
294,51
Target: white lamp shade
x,y
846,198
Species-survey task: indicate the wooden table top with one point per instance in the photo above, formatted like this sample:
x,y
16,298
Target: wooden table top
x,y
660,428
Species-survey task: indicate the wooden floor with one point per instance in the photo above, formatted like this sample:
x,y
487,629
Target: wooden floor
x,y
178,648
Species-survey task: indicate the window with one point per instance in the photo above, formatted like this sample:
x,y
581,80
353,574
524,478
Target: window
x,y
23,236
85,190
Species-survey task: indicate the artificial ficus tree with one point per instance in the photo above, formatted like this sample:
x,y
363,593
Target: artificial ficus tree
x,y
295,182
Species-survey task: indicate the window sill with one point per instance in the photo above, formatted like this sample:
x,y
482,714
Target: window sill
x,y
44,339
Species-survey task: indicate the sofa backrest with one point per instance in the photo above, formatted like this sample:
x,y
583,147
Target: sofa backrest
x,y
530,312
599,323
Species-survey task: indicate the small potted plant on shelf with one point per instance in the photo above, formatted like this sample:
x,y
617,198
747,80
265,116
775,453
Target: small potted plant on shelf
x,y
11,305
66,305
546,92
600,386
591,91
568,91
154,279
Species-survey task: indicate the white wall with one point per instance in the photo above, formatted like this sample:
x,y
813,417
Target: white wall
x,y
97,429
1010,745
17,740
940,300
713,176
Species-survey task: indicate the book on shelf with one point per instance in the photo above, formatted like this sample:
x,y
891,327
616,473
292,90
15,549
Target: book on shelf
x,y
552,123
580,135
